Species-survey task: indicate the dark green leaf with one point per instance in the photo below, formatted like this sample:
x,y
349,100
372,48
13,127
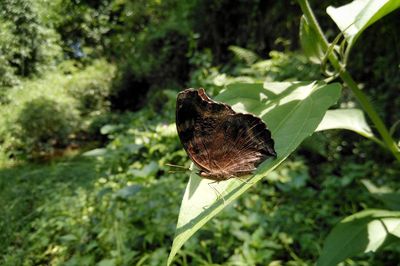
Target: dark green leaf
x,y
365,231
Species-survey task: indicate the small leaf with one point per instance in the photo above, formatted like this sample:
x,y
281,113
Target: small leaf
x,y
148,170
309,42
365,231
292,111
128,191
95,152
107,129
351,119
244,54
353,18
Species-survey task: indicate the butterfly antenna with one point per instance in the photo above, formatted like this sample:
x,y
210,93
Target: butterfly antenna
x,y
174,172
182,169
177,166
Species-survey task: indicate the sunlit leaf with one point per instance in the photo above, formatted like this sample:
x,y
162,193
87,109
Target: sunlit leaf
x,y
244,54
292,112
353,18
365,231
350,119
95,152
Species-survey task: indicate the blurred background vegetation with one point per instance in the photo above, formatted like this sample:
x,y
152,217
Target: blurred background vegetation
x,y
87,102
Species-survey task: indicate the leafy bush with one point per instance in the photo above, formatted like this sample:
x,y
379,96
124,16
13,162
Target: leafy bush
x,y
126,212
92,87
156,58
289,66
42,125
63,102
127,216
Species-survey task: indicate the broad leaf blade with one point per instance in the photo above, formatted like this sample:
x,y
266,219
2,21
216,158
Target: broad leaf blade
x,y
361,232
350,119
353,18
292,111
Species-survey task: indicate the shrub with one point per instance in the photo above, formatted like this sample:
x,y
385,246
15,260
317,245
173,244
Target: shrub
x,y
42,125
92,87
78,94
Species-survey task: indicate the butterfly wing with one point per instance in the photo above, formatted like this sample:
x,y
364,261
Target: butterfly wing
x,y
222,143
196,119
247,143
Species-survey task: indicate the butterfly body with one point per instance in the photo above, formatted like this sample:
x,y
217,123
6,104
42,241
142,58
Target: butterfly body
x,y
223,144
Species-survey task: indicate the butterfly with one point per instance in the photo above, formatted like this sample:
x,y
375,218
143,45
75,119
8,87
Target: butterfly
x,y
223,144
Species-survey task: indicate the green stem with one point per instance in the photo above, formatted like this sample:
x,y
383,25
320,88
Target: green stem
x,y
348,80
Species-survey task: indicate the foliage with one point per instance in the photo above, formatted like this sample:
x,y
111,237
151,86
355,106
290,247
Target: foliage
x,y
156,56
246,24
293,118
197,208
117,204
43,124
43,114
109,228
92,87
289,66
27,44
120,207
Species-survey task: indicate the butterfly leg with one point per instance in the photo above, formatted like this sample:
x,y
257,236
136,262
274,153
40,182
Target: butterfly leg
x,y
246,181
219,195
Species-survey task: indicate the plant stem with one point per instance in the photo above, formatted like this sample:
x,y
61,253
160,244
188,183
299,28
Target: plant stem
x,y
349,81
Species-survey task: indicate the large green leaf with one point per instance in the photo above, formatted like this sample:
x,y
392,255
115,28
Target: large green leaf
x,y
353,18
292,112
350,119
365,231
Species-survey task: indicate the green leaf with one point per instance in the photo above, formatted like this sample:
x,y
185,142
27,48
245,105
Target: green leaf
x,y
244,54
292,111
385,194
96,152
353,18
309,42
350,119
365,231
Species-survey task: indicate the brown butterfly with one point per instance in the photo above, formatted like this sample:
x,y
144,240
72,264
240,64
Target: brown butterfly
x,y
223,144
